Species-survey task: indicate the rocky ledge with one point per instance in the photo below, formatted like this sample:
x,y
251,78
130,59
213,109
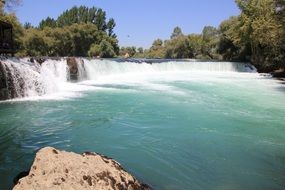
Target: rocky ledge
x,y
280,73
54,169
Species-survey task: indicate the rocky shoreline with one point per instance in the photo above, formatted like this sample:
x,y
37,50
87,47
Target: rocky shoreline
x,y
55,169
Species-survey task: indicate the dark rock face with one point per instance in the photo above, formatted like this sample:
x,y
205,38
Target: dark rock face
x,y
3,83
11,82
17,79
76,68
73,67
39,60
21,79
279,73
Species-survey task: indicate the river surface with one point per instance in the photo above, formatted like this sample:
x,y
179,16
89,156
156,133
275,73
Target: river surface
x,y
173,125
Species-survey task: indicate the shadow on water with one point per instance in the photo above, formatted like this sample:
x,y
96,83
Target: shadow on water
x,y
11,132
115,86
24,129
282,86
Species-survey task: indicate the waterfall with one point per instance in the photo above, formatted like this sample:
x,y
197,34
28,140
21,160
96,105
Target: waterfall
x,y
82,74
54,74
20,78
97,68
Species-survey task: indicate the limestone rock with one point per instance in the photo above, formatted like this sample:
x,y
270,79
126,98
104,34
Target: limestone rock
x,y
73,67
76,67
54,169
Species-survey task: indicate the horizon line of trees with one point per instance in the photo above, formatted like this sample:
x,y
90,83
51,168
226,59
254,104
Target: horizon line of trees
x,y
256,35
79,31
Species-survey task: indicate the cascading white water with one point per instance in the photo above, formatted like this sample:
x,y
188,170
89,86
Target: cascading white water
x,y
82,74
54,74
98,68
21,78
26,79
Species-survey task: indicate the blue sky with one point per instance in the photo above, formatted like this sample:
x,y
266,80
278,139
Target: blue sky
x,y
139,22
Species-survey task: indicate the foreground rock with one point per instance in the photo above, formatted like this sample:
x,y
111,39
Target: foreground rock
x,y
54,169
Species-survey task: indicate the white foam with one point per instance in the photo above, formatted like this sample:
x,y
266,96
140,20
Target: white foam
x,y
53,76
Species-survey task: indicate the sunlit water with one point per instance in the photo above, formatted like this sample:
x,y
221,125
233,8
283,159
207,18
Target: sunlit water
x,y
172,129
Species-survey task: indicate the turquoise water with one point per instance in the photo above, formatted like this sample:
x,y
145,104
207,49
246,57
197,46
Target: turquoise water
x,y
172,130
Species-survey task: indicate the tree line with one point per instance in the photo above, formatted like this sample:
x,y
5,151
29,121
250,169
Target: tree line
x,y
257,34
79,31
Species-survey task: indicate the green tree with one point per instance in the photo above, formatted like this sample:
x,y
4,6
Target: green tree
x,y
82,14
107,50
261,29
177,32
83,36
210,37
76,32
179,47
104,50
61,43
110,28
48,22
156,50
130,51
140,50
228,46
28,25
196,41
95,50
35,43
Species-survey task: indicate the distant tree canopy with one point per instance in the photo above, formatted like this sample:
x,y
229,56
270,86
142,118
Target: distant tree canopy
x,y
80,31
48,22
185,46
128,51
82,14
177,32
256,35
157,49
